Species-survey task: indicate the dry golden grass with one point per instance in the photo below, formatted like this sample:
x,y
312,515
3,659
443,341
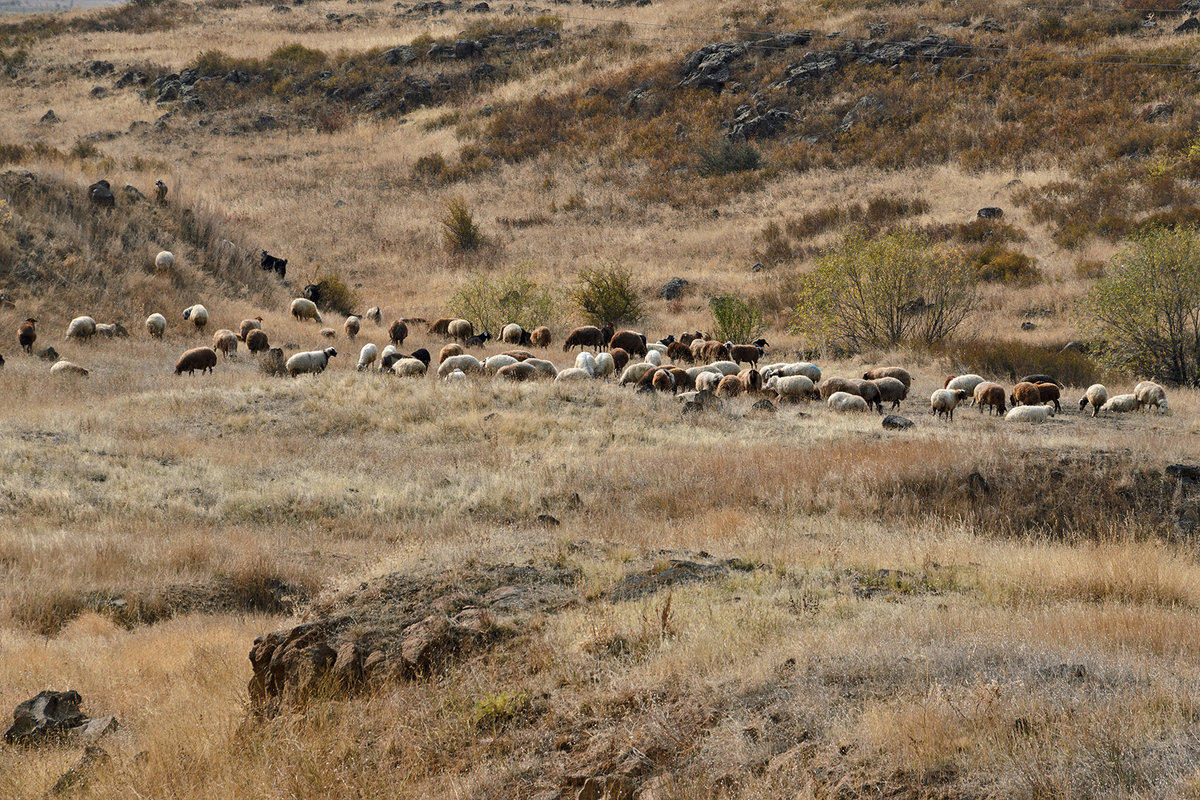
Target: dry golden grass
x,y
901,633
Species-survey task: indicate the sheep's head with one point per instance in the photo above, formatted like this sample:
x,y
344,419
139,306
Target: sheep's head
x,y
1083,401
330,352
961,394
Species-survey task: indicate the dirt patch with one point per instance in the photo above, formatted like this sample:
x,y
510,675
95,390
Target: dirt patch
x,y
673,569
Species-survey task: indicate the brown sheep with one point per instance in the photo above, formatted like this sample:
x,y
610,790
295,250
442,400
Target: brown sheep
x,y
27,334
751,380
683,381
620,359
715,351
460,329
1025,394
441,327
249,325
225,341
746,353
991,395
540,337
1048,392
730,386
663,381
831,385
519,355
584,336
198,358
397,332
450,350
606,334
518,372
329,333
352,325
891,390
256,341
680,353
697,347
899,373
686,339
631,342
856,386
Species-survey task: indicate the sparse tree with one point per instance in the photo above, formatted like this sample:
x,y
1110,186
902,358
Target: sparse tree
x,y
734,320
884,290
459,230
1146,309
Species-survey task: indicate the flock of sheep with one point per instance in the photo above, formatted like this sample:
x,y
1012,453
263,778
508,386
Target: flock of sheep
x,y
700,370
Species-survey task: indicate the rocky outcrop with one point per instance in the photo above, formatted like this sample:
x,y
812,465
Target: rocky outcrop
x,y
54,717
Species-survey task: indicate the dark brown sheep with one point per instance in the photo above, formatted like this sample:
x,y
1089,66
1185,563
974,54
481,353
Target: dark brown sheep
x,y
620,359
519,355
584,336
27,334
256,341
730,386
679,352
663,381
540,337
715,351
1040,378
1025,394
631,342
899,373
198,358
1048,393
751,380
683,381
745,353
398,332
441,327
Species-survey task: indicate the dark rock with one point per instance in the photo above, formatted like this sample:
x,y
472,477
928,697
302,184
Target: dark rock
x,y
894,422
812,66
673,289
130,78
479,8
1189,25
465,48
749,124
400,55
548,520
990,212
50,118
169,92
281,9
236,76
709,67
265,122
133,194
978,485
1074,347
45,717
643,583
99,92
764,406
48,354
98,68
163,80
991,25
100,193
1189,473
482,72
1159,111
1028,326
757,267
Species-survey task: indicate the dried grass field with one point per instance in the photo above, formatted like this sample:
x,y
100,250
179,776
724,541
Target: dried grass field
x,y
599,596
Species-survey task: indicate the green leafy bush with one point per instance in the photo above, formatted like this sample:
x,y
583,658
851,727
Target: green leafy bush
x,y
734,320
491,302
459,230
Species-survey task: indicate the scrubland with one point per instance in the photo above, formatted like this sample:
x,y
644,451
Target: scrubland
x,y
964,609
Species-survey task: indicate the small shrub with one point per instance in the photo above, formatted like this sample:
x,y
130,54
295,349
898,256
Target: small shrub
x,y
999,264
884,209
1010,360
332,121
84,149
12,153
336,295
492,302
607,294
1089,269
493,712
459,230
814,223
724,157
734,320
775,244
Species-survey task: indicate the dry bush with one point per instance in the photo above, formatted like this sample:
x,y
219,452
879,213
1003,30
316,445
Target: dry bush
x,y
1009,360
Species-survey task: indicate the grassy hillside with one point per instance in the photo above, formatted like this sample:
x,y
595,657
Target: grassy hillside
x,y
577,590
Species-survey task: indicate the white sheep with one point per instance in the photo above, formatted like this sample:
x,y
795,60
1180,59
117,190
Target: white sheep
x,y
1029,414
493,363
943,401
654,357
844,402
795,387
605,366
726,367
164,260
544,368
634,372
708,380
198,314
466,362
457,376
305,309
788,369
410,367
694,372
657,347
573,374
1121,404
587,362
313,361
64,367
367,356
156,325
1097,395
965,382
1149,393
81,328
